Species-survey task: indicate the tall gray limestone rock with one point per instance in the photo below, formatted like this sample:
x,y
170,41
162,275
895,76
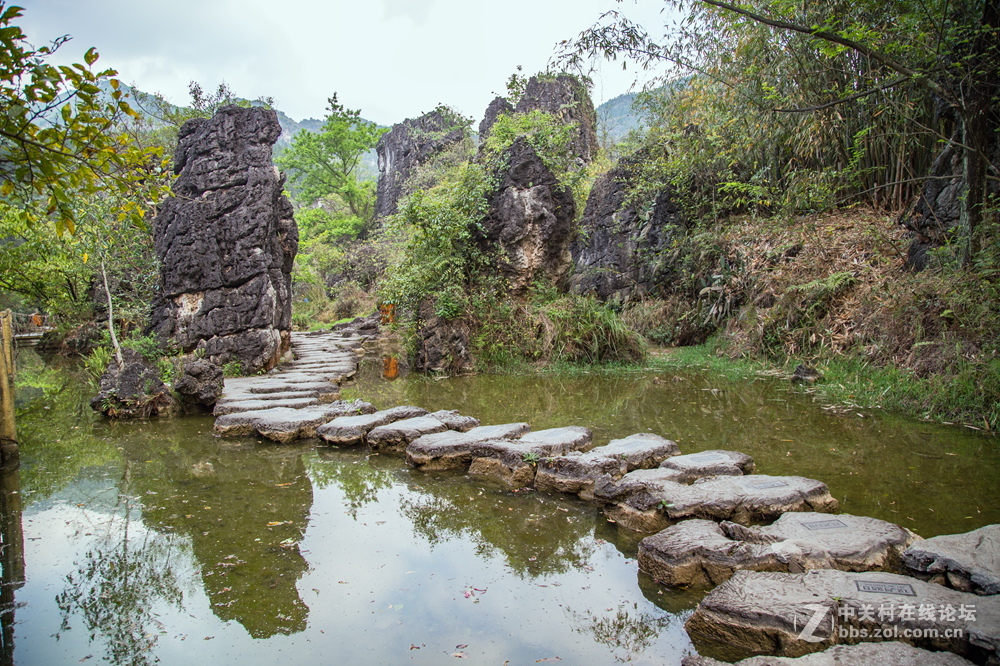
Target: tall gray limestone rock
x,y
530,220
568,100
226,240
408,145
620,253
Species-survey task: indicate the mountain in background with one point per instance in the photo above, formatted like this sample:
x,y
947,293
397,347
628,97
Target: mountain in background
x,y
615,119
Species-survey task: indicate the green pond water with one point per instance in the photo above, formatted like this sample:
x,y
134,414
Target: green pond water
x,y
156,542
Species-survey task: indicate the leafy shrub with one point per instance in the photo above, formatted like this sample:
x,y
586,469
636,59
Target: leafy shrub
x,y
439,231
96,362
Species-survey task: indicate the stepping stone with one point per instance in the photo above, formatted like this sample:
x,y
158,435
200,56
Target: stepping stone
x,y
348,430
453,450
394,437
705,553
968,562
302,378
334,372
891,653
645,501
283,424
240,405
455,421
693,466
791,614
578,472
513,462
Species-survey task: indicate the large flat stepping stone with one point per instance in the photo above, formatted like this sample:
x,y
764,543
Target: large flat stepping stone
x,y
741,499
452,449
514,462
326,396
693,466
302,377
891,653
334,372
277,385
394,437
790,615
705,553
283,424
241,405
348,430
577,472
968,562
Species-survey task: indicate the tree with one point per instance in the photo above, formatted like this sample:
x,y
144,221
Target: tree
x,y
61,135
842,65
325,163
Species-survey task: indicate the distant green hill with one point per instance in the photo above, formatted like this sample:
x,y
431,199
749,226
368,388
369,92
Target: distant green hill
x,y
617,117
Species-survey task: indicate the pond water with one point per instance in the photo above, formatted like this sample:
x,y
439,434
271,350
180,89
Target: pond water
x,y
155,542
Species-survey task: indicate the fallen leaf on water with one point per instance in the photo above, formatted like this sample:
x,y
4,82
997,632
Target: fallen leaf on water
x,y
461,647
414,647
282,485
278,522
458,655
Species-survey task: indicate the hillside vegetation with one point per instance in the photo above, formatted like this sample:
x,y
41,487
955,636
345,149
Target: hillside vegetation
x,y
830,170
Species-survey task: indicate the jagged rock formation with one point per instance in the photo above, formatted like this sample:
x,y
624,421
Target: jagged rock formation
x,y
226,241
498,107
617,253
200,383
568,100
530,220
132,389
405,147
442,344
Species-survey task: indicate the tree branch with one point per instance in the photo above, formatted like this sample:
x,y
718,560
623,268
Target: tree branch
x,y
834,38
842,100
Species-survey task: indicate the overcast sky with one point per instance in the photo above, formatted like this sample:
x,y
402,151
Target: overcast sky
x,y
393,59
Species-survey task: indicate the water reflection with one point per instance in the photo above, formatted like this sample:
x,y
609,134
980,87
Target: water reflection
x,y
350,469
11,557
152,532
244,509
536,534
121,580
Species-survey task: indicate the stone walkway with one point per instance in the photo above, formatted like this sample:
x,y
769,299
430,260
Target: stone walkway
x,y
701,508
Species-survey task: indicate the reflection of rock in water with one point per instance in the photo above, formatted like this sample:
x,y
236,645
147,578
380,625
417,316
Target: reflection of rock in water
x,y
11,557
245,521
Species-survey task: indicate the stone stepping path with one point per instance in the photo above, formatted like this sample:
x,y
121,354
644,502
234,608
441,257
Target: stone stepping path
x,y
579,473
700,509
452,449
